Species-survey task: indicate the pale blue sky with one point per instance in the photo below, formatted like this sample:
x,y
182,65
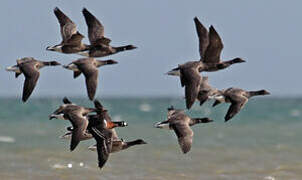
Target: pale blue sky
x,y
267,34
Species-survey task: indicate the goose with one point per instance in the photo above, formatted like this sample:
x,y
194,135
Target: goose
x,y
99,44
77,115
178,121
102,134
237,97
117,144
92,119
88,66
30,68
104,139
210,47
191,80
71,38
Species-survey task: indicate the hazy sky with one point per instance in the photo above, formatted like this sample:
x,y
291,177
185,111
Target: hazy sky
x,y
267,34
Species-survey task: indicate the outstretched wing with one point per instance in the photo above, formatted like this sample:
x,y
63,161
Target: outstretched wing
x,y
203,37
79,125
191,79
212,54
184,135
91,77
68,28
103,138
237,104
31,74
95,28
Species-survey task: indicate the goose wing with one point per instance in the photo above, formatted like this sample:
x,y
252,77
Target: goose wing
x,y
91,78
212,54
103,138
79,124
191,79
95,28
184,135
203,37
74,40
31,74
237,103
67,27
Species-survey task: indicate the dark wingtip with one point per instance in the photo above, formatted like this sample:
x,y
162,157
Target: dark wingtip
x,y
84,10
66,100
226,119
91,97
189,105
97,104
72,147
215,103
185,151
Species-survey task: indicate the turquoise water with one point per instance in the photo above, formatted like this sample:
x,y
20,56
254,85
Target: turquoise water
x,y
262,142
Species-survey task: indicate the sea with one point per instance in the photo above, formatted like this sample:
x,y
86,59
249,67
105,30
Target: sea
x,y
262,142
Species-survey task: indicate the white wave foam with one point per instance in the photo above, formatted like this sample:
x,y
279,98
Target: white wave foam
x,y
62,166
7,139
269,178
295,113
145,107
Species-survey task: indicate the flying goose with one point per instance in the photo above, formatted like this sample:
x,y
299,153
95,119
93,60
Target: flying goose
x,y
71,38
99,44
30,68
210,47
180,123
237,97
102,133
88,66
191,80
103,138
117,144
77,115
93,119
